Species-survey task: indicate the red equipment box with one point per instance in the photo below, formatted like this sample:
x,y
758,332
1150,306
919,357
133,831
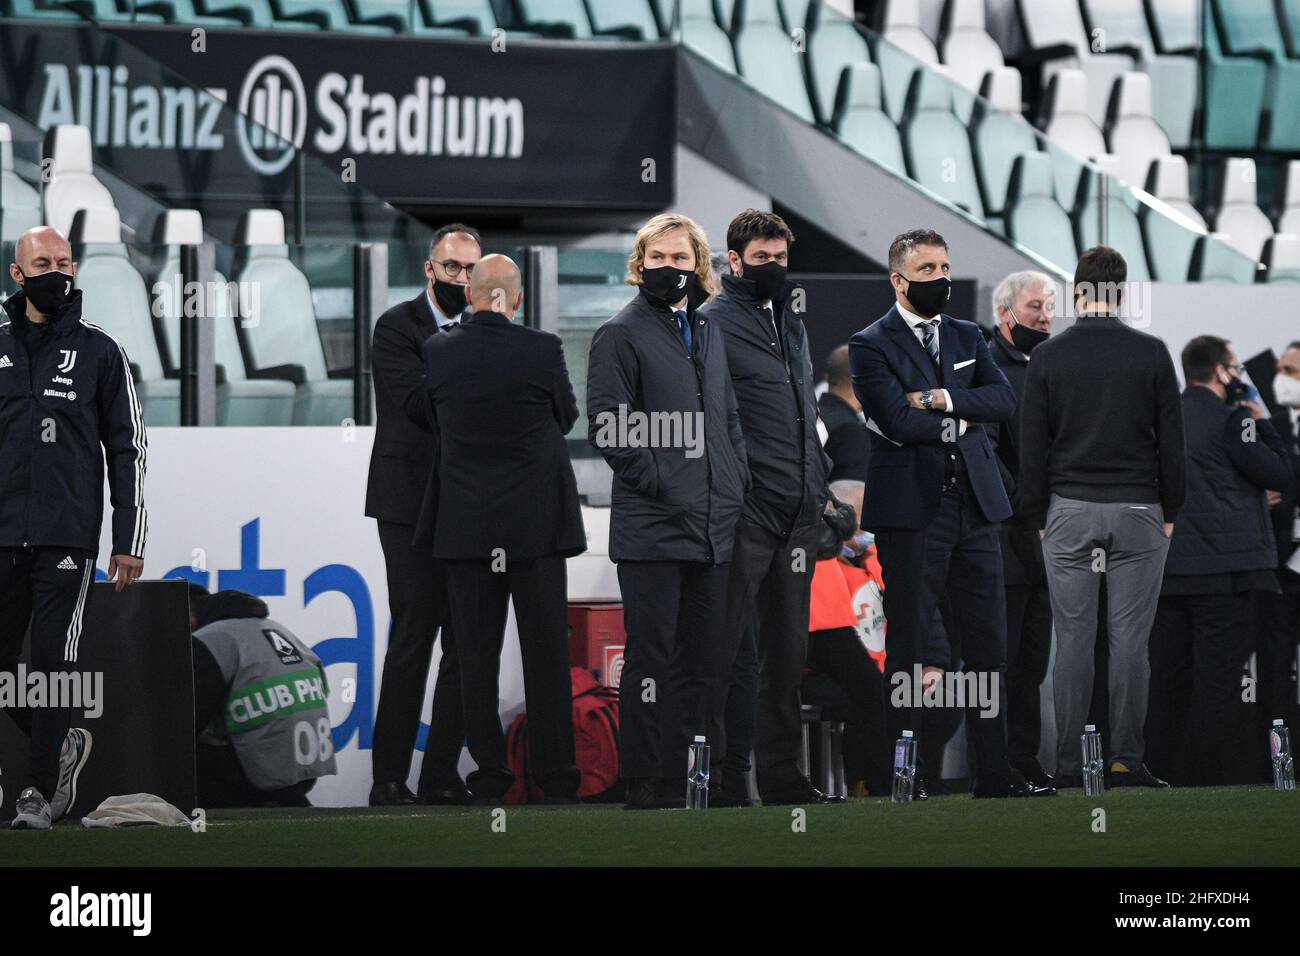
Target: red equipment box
x,y
596,639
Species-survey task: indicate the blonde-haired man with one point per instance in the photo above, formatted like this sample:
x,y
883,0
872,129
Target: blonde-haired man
x,y
661,410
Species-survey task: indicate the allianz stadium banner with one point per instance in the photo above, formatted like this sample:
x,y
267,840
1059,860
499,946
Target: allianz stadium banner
x,y
193,114
278,512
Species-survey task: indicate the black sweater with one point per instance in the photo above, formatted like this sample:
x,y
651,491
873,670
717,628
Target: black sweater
x,y
1101,420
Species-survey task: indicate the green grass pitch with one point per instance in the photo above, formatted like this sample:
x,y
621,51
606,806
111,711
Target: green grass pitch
x,y
1195,827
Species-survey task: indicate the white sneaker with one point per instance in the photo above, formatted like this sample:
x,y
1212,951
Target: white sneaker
x,y
33,811
71,760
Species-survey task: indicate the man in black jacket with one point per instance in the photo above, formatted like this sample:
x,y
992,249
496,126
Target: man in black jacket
x,y
847,441
661,410
1278,690
772,563
502,512
1221,558
1024,303
417,594
1101,433
67,403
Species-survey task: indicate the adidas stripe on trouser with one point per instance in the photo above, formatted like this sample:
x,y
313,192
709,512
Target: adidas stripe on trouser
x,y
41,586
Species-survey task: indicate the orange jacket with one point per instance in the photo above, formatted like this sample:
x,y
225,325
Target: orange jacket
x,y
848,596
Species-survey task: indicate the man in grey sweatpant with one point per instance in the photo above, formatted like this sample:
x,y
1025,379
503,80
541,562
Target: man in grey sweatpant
x,y
1102,469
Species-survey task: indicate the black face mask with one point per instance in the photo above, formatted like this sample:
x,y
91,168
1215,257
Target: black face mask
x,y
768,279
929,297
450,298
667,284
49,291
1024,338
1234,391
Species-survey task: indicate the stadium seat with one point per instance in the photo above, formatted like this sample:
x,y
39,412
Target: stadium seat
x,y
20,204
834,44
1069,126
998,135
798,13
571,18
181,11
861,122
114,298
1173,76
1123,231
240,400
1282,257
334,15
1234,86
1055,34
475,17
900,51
72,185
1134,137
937,145
624,16
1239,218
700,32
1288,217
1173,228
40,10
766,58
1034,219
285,343
967,50
1216,261
1250,28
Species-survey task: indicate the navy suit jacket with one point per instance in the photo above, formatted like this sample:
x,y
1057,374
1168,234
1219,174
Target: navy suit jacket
x,y
905,474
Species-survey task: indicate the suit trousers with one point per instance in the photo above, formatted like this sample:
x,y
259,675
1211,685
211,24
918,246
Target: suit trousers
x,y
1126,542
481,593
673,612
757,686
46,589
1029,646
957,554
417,600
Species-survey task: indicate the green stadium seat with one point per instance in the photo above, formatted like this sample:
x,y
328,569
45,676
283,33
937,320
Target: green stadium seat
x,y
861,122
108,11
1173,76
1250,28
998,135
1034,219
333,15
701,32
766,58
620,15
1234,86
40,10
1173,228
937,145
834,43
1070,129
184,12
798,14
1282,257
1216,261
1288,12
257,14
1123,231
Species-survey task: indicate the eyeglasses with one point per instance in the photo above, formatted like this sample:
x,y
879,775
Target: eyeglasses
x,y
454,268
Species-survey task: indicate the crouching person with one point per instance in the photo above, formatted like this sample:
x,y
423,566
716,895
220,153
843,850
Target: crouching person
x,y
260,708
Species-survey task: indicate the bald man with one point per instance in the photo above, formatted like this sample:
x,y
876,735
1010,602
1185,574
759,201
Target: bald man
x,y
67,404
502,513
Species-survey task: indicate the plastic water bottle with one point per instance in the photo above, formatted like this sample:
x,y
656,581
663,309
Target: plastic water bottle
x,y
697,776
1279,748
904,768
1094,762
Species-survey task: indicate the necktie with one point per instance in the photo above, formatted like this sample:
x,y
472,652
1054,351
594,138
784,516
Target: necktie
x,y
930,339
685,325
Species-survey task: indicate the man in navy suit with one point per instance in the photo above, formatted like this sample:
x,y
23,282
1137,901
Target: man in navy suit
x,y
934,498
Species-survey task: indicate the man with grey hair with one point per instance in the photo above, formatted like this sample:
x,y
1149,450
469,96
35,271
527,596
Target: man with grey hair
x,y
1024,304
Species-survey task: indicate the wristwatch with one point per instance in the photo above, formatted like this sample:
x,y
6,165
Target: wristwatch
x,y
927,400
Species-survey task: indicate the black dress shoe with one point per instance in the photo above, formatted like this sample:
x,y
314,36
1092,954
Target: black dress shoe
x,y
796,793
642,794
1008,784
1137,777
1033,771
453,793
391,795
726,797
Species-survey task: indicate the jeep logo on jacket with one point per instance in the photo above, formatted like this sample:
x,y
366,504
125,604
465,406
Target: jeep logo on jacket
x,y
67,402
